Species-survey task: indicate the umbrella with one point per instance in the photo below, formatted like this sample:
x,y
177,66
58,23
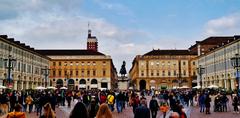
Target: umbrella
x,y
64,88
197,87
175,87
51,87
184,87
40,88
213,86
2,87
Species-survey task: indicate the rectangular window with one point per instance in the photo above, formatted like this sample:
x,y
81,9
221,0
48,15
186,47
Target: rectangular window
x,y
157,73
152,73
54,73
76,73
60,73
175,72
71,72
94,72
104,72
82,73
142,73
163,73
184,63
169,73
88,73
59,63
65,72
54,63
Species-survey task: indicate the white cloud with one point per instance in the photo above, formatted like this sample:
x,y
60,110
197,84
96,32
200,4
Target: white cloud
x,y
116,7
226,25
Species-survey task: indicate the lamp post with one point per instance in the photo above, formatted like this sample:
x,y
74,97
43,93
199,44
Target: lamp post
x,y
179,80
200,71
10,64
235,61
45,72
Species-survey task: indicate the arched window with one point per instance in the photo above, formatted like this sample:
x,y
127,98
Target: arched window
x,y
82,81
94,81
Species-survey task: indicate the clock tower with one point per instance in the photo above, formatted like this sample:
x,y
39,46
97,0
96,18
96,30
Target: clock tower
x,y
92,43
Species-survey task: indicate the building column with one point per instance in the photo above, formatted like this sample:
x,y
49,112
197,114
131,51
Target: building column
x,y
21,85
109,85
232,84
15,85
99,84
27,84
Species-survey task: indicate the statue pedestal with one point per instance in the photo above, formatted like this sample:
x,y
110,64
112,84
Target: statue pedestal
x,y
123,83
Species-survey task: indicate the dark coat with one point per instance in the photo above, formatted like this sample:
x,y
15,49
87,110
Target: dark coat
x,y
142,112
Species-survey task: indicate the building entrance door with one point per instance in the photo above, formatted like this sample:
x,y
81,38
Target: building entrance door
x,y
142,84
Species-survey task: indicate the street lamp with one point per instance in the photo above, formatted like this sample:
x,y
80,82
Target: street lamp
x,y
45,72
200,71
235,61
9,64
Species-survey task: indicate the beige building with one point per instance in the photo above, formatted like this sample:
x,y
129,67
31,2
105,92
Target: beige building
x,y
159,69
82,69
217,64
25,64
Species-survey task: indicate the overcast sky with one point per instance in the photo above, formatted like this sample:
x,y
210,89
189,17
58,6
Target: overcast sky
x,y
124,28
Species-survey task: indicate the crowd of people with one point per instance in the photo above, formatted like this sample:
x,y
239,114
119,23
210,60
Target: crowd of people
x,y
101,104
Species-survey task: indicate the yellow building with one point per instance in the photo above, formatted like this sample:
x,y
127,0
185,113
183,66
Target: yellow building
x,y
159,69
23,63
82,69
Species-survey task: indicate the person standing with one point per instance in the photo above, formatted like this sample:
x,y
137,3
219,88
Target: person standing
x,y
110,101
153,106
235,103
142,111
13,100
201,102
207,104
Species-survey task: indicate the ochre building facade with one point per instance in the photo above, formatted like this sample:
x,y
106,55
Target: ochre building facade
x,y
161,69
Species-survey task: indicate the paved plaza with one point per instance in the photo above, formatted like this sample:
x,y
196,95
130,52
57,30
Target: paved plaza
x,y
192,112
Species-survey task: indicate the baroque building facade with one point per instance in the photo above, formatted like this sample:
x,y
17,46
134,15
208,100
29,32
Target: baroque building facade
x,y
160,69
216,62
23,63
82,69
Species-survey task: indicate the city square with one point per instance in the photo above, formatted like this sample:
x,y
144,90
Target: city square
x,y
115,59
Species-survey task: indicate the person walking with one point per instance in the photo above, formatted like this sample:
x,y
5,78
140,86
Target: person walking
x,y
110,101
154,106
142,111
104,112
29,103
120,100
79,110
